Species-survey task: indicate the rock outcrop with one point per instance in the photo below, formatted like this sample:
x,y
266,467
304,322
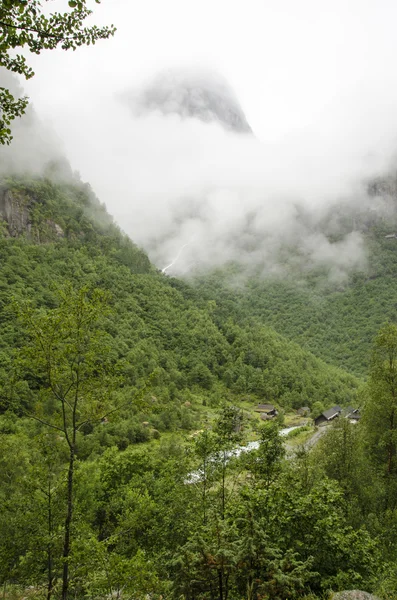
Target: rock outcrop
x,y
353,595
204,95
14,210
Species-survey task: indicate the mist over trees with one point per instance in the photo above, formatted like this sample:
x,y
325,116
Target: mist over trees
x,y
122,400
157,436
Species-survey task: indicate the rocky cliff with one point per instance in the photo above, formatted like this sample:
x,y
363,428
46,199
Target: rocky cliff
x,y
14,210
17,211
204,95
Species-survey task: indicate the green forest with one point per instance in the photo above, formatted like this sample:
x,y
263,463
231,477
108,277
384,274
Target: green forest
x,y
230,434
334,322
125,394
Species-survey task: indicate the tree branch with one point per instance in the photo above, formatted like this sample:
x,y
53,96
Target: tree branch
x,y
45,422
40,32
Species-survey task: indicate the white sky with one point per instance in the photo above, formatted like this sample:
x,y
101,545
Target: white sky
x,y
295,64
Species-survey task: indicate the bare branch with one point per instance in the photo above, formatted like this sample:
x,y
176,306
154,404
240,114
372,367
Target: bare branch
x,y
45,422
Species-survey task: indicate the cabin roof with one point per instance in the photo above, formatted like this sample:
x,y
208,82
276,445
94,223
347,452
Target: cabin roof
x,y
332,412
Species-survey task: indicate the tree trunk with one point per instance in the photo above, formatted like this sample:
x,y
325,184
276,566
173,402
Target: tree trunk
x,y
390,450
68,523
223,485
49,546
205,491
226,595
220,577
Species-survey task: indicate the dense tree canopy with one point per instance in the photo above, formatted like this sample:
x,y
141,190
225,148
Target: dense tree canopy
x,y
152,499
161,326
337,323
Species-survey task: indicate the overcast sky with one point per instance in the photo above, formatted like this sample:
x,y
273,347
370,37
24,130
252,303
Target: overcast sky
x,y
317,82
294,64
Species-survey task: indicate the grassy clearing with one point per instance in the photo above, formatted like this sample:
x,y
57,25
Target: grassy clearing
x,y
293,420
299,437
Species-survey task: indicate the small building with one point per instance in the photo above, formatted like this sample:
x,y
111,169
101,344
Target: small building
x,y
303,411
268,411
266,417
327,416
353,414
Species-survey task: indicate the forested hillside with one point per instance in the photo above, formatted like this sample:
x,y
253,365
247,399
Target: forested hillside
x,y
198,394
335,321
123,393
160,327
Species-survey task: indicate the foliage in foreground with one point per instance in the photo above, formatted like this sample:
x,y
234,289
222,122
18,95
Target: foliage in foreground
x,y
252,527
24,24
190,520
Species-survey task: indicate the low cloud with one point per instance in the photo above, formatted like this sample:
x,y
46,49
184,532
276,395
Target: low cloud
x,y
196,196
35,143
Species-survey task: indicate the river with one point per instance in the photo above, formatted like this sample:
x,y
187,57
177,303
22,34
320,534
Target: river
x,y
195,476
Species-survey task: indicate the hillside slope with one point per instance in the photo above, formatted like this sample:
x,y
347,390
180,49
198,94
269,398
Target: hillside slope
x,y
335,321
161,327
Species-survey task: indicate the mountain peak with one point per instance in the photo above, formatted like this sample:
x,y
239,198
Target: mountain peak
x,y
200,94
